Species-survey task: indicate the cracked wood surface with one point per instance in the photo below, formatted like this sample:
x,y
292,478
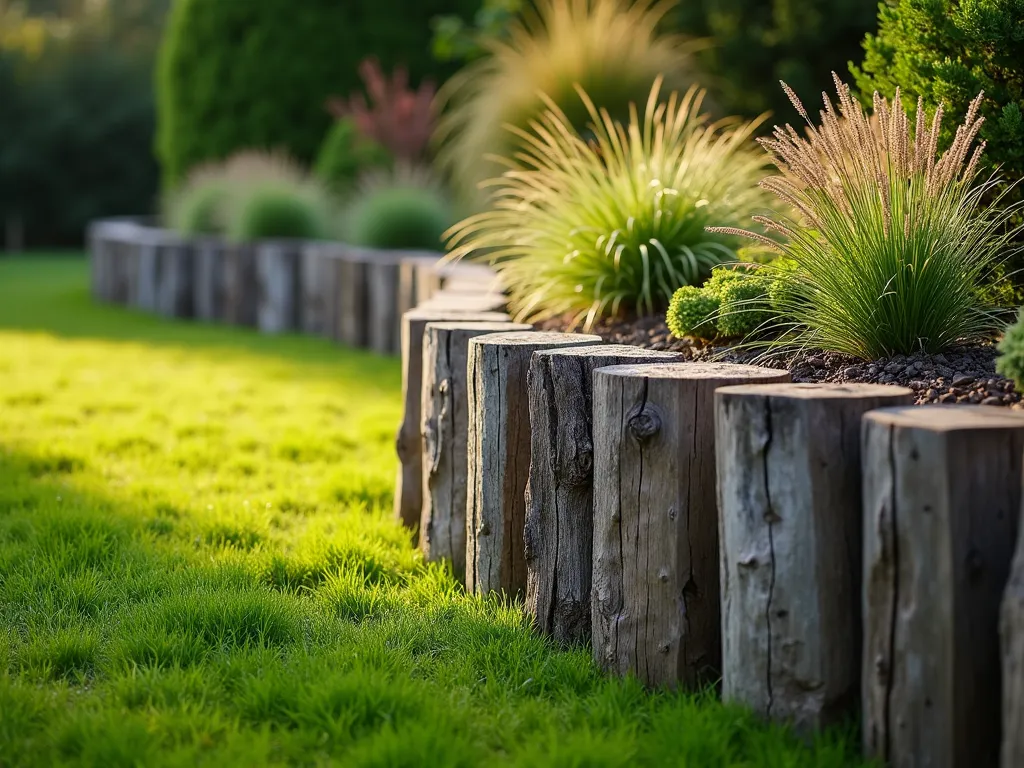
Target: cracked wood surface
x,y
444,436
789,494
499,455
942,492
409,486
655,591
559,528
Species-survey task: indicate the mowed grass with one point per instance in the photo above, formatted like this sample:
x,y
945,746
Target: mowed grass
x,y
198,567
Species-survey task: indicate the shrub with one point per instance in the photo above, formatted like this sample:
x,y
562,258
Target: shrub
x,y
947,51
251,196
400,210
609,48
270,196
757,43
891,243
346,154
614,226
237,75
1011,352
733,303
692,312
198,211
397,118
75,137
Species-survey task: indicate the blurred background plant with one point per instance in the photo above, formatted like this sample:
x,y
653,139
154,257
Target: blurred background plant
x,y
396,117
613,225
345,154
77,115
892,244
750,44
251,196
256,74
405,208
610,48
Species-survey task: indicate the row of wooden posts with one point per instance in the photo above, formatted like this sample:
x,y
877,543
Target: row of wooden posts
x,y
821,550
354,295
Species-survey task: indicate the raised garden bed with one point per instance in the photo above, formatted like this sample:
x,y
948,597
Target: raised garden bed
x,y
966,375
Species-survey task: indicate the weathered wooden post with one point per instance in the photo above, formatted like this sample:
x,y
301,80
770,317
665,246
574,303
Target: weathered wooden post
x,y
499,455
656,611
942,493
241,285
352,302
147,278
444,436
410,266
318,289
277,275
789,497
174,278
408,444
209,295
383,318
1012,636
559,531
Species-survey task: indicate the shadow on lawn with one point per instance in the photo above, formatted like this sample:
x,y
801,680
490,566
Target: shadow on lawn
x,y
50,294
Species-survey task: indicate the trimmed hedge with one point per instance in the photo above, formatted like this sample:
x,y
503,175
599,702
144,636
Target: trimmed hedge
x,y
255,74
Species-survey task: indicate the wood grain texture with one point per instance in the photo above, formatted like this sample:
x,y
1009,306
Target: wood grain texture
x,y
559,531
1012,641
277,275
789,498
656,611
408,443
444,436
499,455
942,493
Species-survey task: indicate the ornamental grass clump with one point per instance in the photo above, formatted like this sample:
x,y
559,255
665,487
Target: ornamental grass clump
x,y
613,49
614,225
272,196
890,247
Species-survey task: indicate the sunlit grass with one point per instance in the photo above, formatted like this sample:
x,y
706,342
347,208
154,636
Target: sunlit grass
x,y
198,567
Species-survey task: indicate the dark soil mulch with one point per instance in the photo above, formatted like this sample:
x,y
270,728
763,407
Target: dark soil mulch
x,y
963,375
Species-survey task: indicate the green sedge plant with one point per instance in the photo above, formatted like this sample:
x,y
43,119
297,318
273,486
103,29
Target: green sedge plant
x,y
889,246
614,224
610,48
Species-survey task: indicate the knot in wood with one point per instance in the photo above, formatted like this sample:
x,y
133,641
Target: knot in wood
x,y
644,423
578,468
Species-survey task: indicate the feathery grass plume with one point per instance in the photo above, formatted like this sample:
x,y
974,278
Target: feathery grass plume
x,y
611,48
890,246
403,208
617,223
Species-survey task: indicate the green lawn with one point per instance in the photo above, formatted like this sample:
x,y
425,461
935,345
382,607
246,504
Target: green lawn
x,y
198,567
